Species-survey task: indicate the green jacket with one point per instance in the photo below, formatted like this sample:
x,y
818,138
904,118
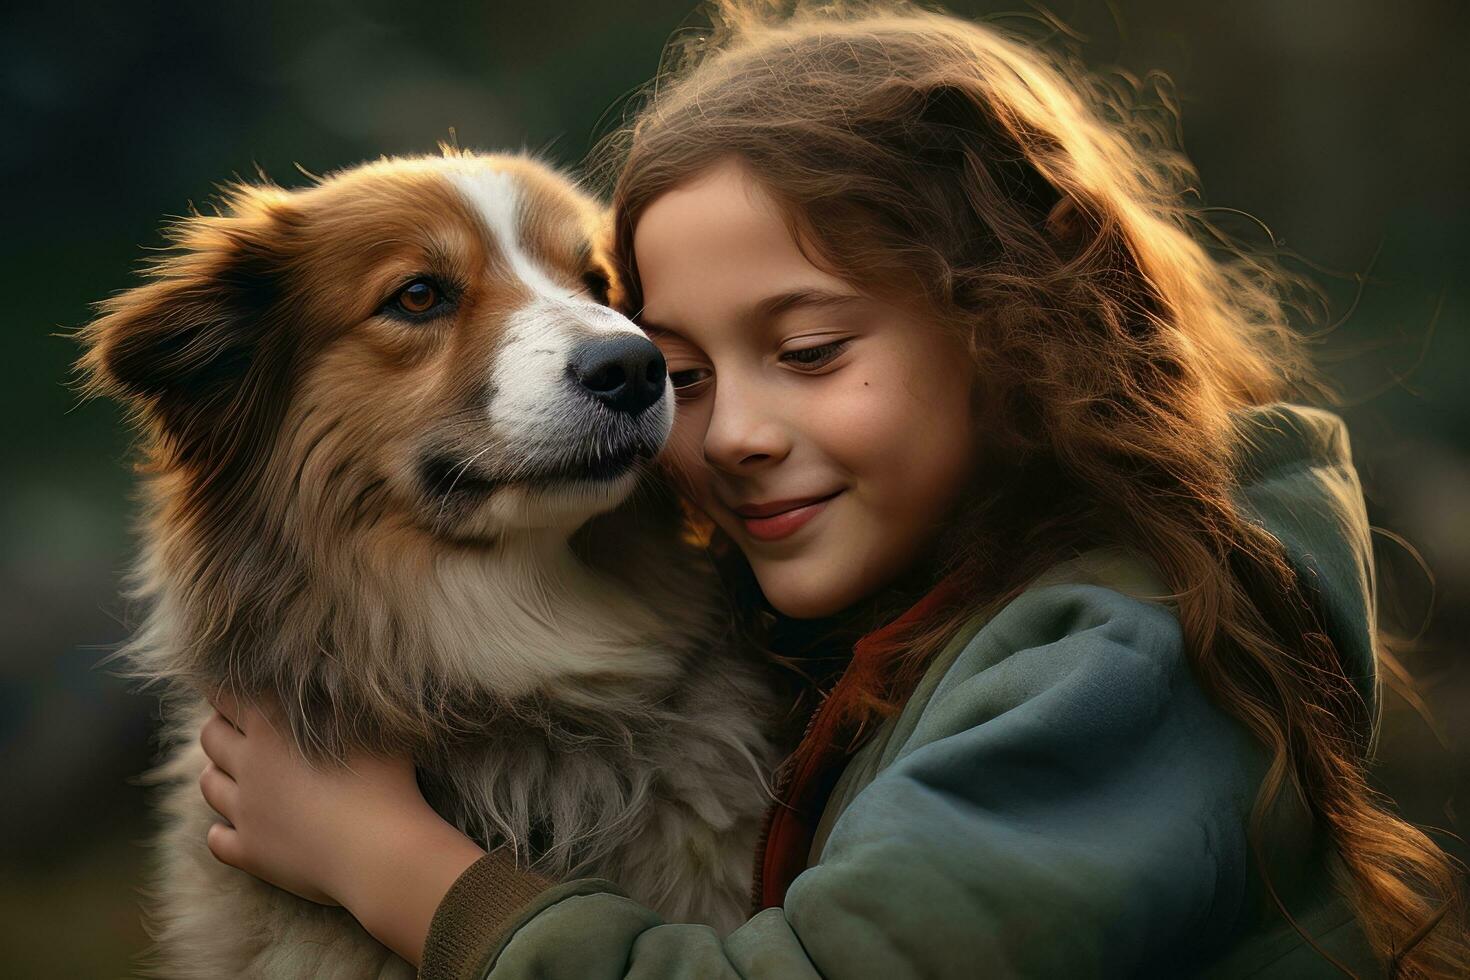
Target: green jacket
x,y
1057,799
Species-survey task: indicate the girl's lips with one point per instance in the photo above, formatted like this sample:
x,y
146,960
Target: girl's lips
x,y
780,525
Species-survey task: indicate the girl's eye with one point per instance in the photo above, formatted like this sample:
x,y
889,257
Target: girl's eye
x,y
686,383
815,357
420,297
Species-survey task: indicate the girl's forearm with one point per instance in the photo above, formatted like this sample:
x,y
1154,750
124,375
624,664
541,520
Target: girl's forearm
x,y
403,874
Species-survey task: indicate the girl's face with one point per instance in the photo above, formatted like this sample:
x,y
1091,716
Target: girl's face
x,y
826,432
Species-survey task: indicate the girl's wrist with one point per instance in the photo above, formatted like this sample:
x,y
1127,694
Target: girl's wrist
x,y
404,870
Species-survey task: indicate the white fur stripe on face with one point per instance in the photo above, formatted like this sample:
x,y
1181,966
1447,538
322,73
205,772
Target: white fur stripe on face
x,y
531,362
496,198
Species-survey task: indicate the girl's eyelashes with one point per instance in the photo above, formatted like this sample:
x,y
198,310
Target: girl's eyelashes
x,y
692,381
818,356
689,382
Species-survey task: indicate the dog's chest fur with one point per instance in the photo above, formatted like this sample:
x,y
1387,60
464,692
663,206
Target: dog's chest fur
x,y
666,805
641,758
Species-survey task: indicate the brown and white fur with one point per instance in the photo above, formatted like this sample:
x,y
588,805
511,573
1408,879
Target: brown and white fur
x,y
426,533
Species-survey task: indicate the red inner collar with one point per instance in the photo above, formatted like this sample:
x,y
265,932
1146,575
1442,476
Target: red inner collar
x,y
791,822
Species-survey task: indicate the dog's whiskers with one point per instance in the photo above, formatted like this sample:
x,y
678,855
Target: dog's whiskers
x,y
460,471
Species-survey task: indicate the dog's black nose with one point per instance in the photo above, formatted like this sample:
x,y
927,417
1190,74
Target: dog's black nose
x,y
625,373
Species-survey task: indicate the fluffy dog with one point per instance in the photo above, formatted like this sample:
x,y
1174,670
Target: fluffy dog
x,y
398,474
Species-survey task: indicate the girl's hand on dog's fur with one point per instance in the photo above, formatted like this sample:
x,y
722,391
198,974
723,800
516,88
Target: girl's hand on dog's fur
x,y
360,836
285,821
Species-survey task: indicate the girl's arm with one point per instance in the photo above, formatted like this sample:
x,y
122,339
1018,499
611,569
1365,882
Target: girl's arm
x,y
1066,803
362,837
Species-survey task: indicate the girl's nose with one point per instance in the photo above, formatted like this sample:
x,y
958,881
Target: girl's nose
x,y
745,431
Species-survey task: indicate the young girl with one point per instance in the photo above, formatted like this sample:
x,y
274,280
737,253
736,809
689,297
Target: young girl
x,y
955,377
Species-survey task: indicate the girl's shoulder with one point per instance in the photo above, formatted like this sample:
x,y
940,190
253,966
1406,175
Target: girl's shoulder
x,y
1060,761
1071,729
1091,613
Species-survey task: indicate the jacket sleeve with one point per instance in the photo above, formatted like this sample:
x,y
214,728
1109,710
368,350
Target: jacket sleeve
x,y
1068,804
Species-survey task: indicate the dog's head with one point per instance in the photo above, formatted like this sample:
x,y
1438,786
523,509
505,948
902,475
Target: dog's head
x,y
424,343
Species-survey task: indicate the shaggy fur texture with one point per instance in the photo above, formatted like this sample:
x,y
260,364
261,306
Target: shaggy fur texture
x,y
411,525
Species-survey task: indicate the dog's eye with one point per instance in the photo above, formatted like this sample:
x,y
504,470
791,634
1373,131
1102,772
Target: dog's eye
x,y
597,284
419,296
421,300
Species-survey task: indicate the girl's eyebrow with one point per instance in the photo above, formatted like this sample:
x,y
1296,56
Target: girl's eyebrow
x,y
765,310
773,306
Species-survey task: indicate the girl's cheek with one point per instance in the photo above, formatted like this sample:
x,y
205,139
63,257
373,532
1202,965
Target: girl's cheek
x,y
906,433
683,455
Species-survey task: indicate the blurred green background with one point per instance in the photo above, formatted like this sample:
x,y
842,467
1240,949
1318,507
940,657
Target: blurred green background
x,y
1338,123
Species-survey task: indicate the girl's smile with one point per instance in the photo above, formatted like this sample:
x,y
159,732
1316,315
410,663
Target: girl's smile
x,y
828,433
771,522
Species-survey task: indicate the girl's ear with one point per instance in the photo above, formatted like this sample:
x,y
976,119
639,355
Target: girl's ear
x,y
180,347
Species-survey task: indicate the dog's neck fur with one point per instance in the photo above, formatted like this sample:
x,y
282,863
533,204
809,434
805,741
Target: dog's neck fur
x,y
385,639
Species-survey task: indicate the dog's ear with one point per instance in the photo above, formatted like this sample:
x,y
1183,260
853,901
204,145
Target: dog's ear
x,y
181,348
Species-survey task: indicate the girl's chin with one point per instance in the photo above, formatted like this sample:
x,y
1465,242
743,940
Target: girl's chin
x,y
807,589
807,607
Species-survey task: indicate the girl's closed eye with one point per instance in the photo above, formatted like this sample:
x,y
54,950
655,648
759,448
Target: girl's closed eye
x,y
817,356
688,382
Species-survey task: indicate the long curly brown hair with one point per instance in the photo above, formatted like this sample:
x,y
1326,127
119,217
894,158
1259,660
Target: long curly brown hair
x,y
1042,211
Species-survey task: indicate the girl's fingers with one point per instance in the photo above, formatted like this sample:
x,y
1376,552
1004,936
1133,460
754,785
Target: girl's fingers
x,y
222,742
220,791
224,843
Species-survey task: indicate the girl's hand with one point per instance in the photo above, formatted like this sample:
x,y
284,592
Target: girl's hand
x,y
287,823
361,836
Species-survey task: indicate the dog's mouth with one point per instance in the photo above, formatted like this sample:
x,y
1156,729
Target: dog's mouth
x,y
446,477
